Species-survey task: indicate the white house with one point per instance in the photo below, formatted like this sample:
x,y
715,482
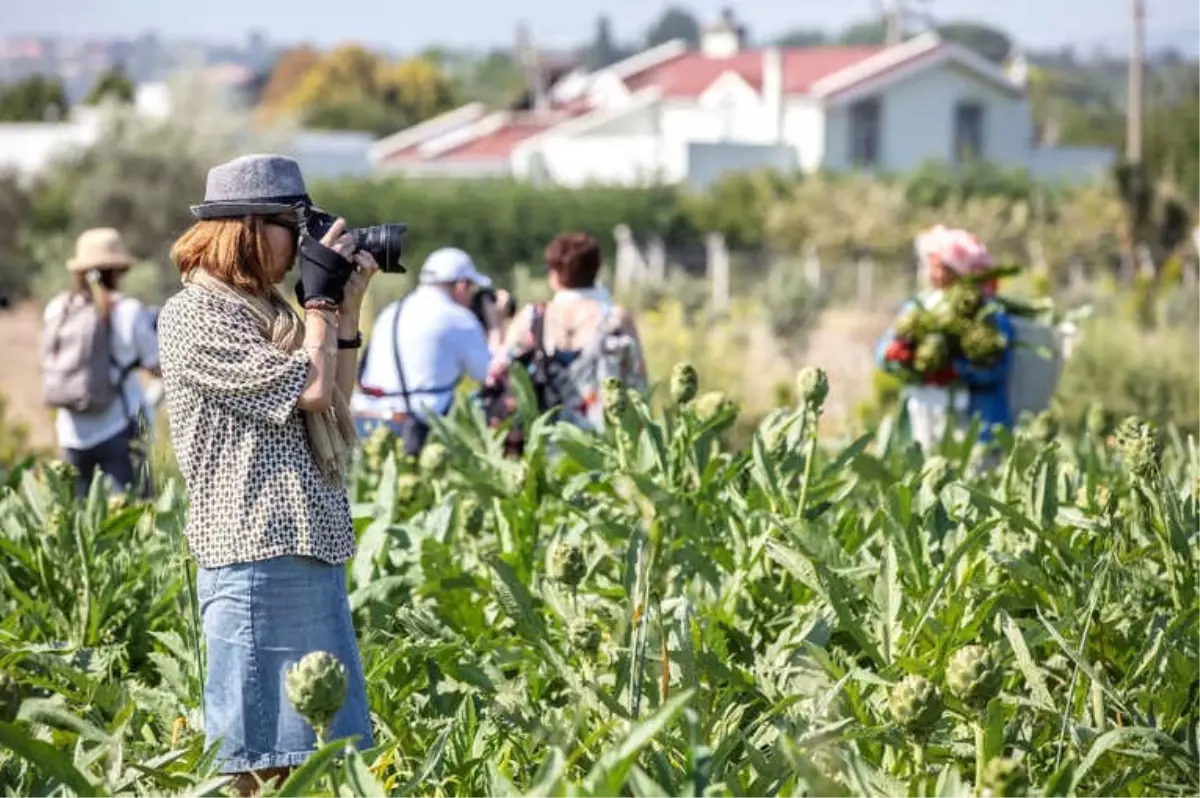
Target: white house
x,y
671,114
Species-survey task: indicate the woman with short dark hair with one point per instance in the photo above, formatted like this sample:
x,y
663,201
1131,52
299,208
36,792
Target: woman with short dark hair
x,y
577,340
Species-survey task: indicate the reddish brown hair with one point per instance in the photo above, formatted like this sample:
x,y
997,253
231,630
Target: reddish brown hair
x,y
575,258
233,250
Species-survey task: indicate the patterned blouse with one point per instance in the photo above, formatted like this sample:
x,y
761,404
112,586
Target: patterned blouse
x,y
242,446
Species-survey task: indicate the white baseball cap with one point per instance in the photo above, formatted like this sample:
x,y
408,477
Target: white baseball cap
x,y
452,265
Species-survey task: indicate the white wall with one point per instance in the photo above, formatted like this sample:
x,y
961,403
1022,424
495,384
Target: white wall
x,y
804,131
917,121
578,160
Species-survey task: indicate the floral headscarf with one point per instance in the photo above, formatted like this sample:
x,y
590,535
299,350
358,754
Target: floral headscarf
x,y
962,252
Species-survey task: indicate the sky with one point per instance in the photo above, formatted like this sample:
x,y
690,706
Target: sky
x,y
409,25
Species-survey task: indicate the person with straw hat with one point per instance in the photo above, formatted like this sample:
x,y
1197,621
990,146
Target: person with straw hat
x,y
94,341
256,397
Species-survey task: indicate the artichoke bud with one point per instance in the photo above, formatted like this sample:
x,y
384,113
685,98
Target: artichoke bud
x,y
715,406
614,399
916,704
1140,446
684,383
433,458
812,386
1004,778
912,324
932,355
316,686
567,564
973,676
585,635
964,300
10,698
408,487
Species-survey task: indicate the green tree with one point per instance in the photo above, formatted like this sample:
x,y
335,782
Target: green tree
x,y
37,98
112,84
355,89
869,32
602,51
675,23
803,37
989,42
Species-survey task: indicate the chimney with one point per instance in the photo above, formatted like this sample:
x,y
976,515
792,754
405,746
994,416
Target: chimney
x,y
772,93
724,38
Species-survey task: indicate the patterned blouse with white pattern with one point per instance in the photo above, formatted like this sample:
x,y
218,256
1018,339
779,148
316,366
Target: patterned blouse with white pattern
x,y
241,442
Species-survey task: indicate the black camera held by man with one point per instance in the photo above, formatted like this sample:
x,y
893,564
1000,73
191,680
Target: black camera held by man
x,y
384,242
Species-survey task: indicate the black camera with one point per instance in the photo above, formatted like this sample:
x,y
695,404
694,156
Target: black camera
x,y
382,241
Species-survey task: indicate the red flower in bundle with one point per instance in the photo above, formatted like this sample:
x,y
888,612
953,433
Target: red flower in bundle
x,y
899,351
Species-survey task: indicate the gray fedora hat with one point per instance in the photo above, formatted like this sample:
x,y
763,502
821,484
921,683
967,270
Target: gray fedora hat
x,y
252,185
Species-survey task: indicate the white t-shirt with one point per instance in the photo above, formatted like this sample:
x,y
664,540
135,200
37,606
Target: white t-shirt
x,y
439,341
133,341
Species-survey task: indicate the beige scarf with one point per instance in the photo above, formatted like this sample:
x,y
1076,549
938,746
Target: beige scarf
x,y
331,434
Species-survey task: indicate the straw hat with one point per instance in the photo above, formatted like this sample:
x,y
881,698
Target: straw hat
x,y
100,248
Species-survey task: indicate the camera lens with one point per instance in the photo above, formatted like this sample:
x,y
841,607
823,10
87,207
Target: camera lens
x,y
385,243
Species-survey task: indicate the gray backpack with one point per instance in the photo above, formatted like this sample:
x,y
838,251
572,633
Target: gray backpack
x,y
77,359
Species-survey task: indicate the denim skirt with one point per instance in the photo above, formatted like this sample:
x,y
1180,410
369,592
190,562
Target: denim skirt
x,y
259,619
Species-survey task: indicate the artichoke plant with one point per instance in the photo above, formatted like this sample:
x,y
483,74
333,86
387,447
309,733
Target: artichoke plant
x,y
316,687
1099,421
937,473
1004,778
973,676
916,704
812,386
10,698
1044,428
684,383
567,564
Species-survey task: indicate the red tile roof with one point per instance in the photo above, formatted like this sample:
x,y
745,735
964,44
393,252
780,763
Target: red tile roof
x,y
499,143
689,74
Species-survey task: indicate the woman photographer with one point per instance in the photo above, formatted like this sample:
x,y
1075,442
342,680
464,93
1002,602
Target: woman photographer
x,y
258,413
94,328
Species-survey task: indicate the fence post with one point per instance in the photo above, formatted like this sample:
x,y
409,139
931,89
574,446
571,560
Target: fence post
x,y
812,265
718,270
656,261
628,269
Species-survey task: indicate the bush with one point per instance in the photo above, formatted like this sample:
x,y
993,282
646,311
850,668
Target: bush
x,y
1130,371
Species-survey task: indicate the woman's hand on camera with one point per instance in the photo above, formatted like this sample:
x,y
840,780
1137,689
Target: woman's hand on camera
x,y
337,239
365,268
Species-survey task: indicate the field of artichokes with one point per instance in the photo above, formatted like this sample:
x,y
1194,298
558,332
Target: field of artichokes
x,y
648,613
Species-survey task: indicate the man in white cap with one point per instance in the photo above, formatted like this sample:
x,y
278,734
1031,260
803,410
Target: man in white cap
x,y
421,348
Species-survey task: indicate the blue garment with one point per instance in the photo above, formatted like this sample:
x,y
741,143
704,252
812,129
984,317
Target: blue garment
x,y
987,388
259,619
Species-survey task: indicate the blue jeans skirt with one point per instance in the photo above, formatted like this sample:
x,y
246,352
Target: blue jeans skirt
x,y
259,619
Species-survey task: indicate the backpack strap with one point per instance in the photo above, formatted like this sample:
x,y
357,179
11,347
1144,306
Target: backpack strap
x,y
404,389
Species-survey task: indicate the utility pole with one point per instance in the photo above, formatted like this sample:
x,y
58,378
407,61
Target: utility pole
x,y
1133,114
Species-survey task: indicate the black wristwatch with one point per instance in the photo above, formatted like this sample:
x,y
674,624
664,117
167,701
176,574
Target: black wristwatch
x,y
350,343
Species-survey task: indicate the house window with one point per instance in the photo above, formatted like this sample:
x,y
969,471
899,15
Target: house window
x,y
968,131
864,132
